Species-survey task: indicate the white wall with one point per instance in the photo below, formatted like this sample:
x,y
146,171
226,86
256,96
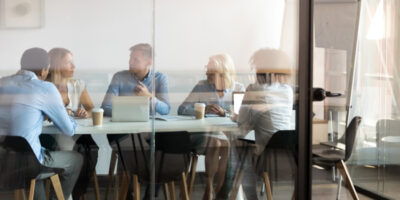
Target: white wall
x,y
99,32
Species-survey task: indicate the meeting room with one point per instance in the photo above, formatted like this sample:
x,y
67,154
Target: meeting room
x,y
185,99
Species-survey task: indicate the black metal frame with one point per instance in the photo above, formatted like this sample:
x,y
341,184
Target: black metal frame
x,y
304,114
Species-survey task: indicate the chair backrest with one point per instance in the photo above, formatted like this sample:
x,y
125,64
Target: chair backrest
x,y
350,136
285,139
173,142
18,163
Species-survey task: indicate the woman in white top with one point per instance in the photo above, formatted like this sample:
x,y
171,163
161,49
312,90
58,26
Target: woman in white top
x,y
78,104
73,91
267,105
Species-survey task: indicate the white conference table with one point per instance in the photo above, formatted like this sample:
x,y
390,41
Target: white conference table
x,y
176,123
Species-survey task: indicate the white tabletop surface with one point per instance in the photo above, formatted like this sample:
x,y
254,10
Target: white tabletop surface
x,y
177,123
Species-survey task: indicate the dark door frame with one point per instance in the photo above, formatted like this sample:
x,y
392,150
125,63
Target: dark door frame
x,y
304,114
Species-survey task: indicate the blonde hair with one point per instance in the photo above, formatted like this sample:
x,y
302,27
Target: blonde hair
x,y
271,66
225,66
56,56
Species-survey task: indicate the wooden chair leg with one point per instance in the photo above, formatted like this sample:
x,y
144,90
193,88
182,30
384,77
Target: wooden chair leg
x,y
184,190
136,187
47,185
236,185
267,186
172,190
32,189
55,180
96,185
124,186
166,191
111,170
192,173
116,187
345,174
19,194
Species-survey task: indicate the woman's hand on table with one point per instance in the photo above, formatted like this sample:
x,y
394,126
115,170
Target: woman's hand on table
x,y
81,113
215,109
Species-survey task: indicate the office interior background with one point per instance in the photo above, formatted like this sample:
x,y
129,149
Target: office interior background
x,y
355,52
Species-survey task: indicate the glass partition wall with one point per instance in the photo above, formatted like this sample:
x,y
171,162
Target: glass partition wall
x,y
211,52
199,97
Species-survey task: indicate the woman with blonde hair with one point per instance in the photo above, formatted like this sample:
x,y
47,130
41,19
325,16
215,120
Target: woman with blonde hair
x,y
78,104
73,91
216,93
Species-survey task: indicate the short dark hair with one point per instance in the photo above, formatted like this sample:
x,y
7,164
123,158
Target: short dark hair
x,y
145,48
35,59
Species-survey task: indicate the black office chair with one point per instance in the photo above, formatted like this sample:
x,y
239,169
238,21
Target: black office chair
x,y
89,149
338,157
283,141
116,156
19,167
172,158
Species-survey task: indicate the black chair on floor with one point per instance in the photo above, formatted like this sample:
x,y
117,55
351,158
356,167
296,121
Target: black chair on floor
x,y
172,158
19,167
338,157
116,157
282,142
89,149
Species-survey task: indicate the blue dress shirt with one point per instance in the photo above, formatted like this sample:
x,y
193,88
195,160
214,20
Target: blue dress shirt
x,y
24,102
124,82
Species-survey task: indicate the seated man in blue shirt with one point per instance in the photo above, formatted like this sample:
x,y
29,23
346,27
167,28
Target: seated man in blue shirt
x,y
27,100
137,81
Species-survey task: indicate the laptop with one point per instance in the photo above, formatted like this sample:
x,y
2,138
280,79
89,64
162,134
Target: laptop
x,y
237,98
130,109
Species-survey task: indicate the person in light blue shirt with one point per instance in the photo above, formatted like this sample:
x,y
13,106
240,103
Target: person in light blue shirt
x,y
137,81
25,102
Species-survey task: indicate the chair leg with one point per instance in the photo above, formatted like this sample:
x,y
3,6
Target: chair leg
x,y
32,189
172,190
334,174
47,185
267,185
236,185
192,173
339,188
19,194
136,187
345,174
124,186
262,190
113,163
96,185
166,191
55,180
184,190
116,187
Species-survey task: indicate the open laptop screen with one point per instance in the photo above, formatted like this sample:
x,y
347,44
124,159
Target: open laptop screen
x,y
237,98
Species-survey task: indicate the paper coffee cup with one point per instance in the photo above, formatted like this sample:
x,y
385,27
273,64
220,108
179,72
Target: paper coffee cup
x,y
199,110
97,116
